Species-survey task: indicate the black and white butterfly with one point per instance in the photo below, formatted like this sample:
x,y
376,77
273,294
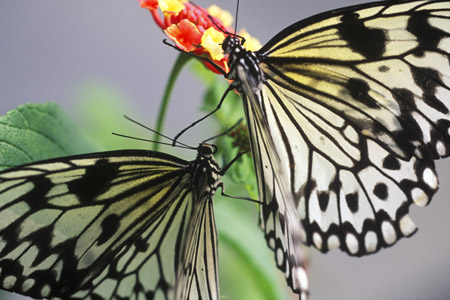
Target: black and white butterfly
x,y
129,224
347,111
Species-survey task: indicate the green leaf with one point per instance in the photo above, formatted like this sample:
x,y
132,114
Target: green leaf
x,y
36,132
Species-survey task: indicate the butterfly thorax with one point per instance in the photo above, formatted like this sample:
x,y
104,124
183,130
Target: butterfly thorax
x,y
206,171
242,58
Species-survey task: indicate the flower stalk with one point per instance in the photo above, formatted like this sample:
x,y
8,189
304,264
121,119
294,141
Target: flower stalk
x,y
181,61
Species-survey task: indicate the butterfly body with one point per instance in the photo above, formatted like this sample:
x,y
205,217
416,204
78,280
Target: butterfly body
x,y
127,224
354,105
239,56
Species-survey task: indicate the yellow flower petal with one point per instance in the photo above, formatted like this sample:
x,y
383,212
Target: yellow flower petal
x,y
212,42
251,43
223,15
171,6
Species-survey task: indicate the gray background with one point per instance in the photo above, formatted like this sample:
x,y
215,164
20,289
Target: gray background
x,y
50,50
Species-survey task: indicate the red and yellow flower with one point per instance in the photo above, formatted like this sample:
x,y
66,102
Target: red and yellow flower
x,y
194,29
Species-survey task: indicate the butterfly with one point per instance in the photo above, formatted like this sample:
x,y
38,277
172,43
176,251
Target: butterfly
x,y
128,224
347,111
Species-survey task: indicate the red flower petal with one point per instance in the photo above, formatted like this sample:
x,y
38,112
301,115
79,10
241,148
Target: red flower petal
x,y
149,4
186,29
185,34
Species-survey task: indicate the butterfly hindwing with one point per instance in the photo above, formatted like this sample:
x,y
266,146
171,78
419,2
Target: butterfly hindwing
x,y
278,220
347,183
109,225
196,276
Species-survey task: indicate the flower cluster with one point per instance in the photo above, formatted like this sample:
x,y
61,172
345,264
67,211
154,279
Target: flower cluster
x,y
194,29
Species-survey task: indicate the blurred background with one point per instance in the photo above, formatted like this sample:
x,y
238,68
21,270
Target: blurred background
x,y
70,51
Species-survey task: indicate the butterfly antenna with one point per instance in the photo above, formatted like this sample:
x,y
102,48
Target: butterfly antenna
x,y
150,141
218,26
225,132
205,59
173,141
236,16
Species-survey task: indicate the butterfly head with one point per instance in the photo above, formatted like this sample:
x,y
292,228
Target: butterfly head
x,y
206,150
232,44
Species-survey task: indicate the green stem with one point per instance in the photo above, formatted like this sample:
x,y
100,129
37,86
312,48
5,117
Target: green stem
x,y
176,69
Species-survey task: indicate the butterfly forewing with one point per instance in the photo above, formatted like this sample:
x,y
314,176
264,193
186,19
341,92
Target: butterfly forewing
x,y
109,225
383,68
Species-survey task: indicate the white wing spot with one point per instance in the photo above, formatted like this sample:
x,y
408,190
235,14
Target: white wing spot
x,y
28,284
419,197
126,286
301,208
9,281
56,166
272,243
371,241
107,287
45,291
333,242
2,245
352,243
302,234
351,134
388,231
424,126
407,226
302,278
430,178
151,278
21,173
418,153
440,148
57,268
317,239
280,257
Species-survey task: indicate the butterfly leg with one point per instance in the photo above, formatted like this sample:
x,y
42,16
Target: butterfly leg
x,y
204,117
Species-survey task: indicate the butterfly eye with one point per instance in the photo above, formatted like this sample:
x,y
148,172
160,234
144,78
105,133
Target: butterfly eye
x,y
213,148
226,44
230,43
